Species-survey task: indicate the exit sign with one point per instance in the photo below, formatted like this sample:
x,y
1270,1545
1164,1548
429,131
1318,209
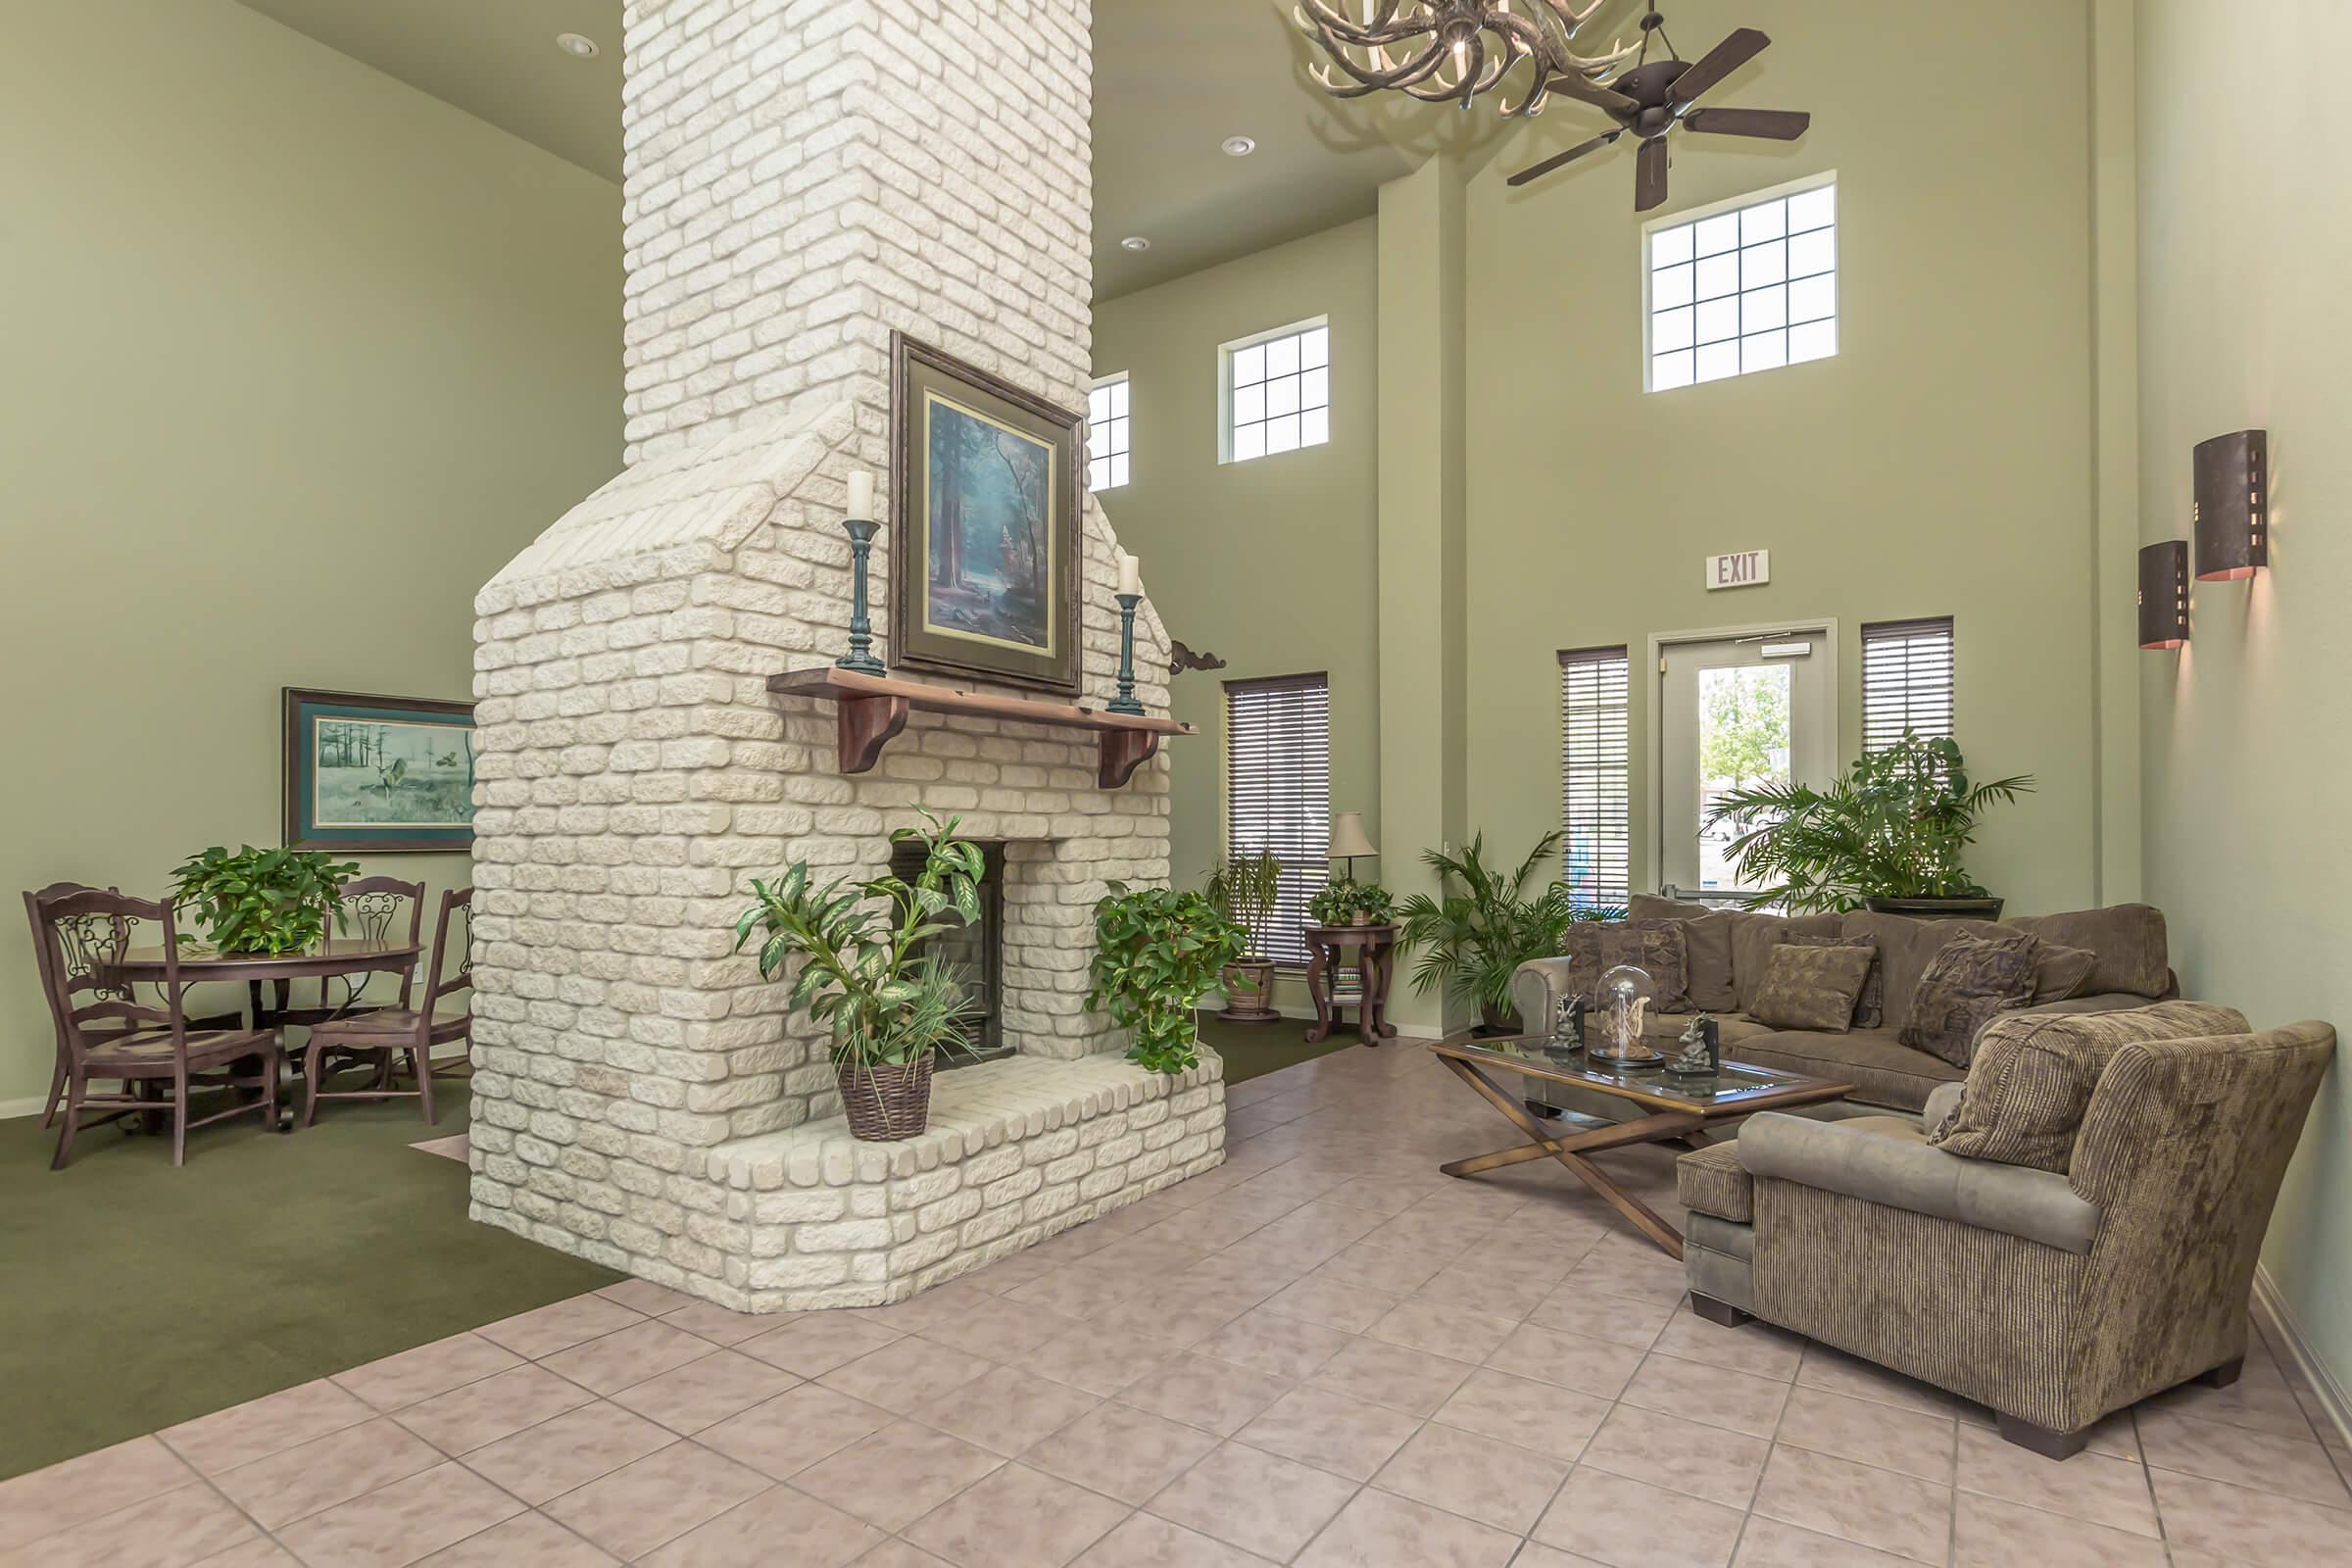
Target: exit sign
x,y
1744,570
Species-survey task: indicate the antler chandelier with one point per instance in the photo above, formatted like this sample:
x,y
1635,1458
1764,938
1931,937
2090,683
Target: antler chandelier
x,y
1450,51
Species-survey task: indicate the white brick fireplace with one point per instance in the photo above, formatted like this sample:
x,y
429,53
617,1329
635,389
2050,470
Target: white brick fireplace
x,y
802,177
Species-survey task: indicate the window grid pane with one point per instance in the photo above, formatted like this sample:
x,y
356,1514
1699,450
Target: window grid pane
x,y
1595,777
1278,793
1906,680
1107,437
1752,289
1279,393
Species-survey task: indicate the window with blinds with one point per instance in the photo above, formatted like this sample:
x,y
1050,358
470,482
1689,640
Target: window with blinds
x,y
1278,791
1906,680
1596,776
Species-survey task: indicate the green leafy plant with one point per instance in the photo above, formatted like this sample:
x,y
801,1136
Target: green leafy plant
x,y
1245,890
1893,825
262,901
863,975
1343,900
1486,923
1156,953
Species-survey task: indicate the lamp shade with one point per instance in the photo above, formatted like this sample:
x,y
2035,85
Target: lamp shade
x,y
2233,504
2164,594
1348,836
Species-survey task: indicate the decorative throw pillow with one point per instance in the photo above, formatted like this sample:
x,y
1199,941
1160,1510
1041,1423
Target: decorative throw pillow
x,y
1812,986
1754,937
1593,948
2033,1077
2060,972
1870,1008
1967,982
1706,947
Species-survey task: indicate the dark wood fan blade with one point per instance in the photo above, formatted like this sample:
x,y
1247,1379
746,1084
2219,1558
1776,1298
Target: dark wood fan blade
x,y
1538,170
1575,85
1718,62
1649,175
1779,124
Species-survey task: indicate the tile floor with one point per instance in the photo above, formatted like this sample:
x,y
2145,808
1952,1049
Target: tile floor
x,y
1322,1354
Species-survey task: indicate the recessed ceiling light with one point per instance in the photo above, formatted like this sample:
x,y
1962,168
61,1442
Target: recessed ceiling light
x,y
572,43
1240,146
1136,242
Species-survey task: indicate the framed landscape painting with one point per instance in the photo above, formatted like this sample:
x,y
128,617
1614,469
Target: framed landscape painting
x,y
984,531
378,774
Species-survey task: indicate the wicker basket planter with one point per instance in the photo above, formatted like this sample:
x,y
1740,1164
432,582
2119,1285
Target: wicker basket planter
x,y
887,1100
1249,991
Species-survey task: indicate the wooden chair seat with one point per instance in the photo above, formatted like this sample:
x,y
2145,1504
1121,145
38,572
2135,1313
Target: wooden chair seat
x,y
147,1053
371,1027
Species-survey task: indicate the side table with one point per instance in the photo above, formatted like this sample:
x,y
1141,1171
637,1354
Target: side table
x,y
1336,985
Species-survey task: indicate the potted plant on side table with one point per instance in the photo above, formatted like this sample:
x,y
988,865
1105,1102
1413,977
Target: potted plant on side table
x,y
1887,835
890,1008
1245,890
1157,952
1485,924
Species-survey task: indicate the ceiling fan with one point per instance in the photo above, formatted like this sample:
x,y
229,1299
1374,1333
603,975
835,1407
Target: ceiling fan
x,y
1650,97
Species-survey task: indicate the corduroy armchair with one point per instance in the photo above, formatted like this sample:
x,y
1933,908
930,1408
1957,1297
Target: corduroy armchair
x,y
2053,1299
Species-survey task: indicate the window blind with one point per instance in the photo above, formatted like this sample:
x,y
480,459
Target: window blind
x,y
1278,792
1596,776
1906,680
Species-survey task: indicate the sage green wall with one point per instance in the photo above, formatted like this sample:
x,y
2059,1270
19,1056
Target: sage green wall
x,y
2243,232
1941,464
1272,562
297,357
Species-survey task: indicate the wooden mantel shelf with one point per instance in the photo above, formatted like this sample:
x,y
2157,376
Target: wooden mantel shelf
x,y
873,709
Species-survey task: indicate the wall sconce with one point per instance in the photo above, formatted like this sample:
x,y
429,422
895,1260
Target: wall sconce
x,y
2164,595
2233,517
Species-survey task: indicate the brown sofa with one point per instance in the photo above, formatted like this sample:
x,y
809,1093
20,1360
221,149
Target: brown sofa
x,y
1726,951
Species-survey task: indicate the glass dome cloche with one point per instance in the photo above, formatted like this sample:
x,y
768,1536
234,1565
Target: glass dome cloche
x,y
1625,995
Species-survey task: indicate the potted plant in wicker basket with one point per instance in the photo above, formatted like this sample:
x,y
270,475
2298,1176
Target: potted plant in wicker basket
x,y
1156,953
890,1008
1244,890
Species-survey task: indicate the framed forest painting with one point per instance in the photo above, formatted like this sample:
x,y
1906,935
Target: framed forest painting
x,y
984,557
377,773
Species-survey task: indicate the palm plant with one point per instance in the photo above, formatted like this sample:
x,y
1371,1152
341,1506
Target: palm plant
x,y
1486,923
1893,826
1245,890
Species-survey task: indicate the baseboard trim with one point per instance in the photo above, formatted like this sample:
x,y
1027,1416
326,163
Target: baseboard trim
x,y
1405,1031
32,1106
2324,1382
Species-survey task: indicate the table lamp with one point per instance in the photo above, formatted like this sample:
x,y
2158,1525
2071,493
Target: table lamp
x,y
1348,840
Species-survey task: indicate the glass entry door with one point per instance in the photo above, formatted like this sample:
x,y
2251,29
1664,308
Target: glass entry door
x,y
1736,712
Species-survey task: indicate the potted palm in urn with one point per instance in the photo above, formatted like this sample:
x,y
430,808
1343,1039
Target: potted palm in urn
x,y
1887,835
891,1009
1245,890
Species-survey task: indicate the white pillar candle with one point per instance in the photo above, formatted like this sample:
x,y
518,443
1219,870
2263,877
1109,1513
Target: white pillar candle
x,y
861,494
1131,574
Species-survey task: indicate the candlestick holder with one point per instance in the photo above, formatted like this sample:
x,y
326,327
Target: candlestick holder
x,y
860,657
1125,701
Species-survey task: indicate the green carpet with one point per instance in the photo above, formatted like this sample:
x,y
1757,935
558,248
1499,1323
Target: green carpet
x,y
1254,1049
140,1295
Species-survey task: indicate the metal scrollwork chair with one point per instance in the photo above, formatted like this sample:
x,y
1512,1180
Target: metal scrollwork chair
x,y
105,1036
380,1038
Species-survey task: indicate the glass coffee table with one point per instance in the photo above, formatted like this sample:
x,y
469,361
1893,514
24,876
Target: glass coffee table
x,y
1675,1106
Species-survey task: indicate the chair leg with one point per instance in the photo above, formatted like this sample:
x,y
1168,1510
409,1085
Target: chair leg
x,y
2221,1377
56,1090
311,1063
422,1059
2049,1443
180,1114
1723,1312
75,1086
